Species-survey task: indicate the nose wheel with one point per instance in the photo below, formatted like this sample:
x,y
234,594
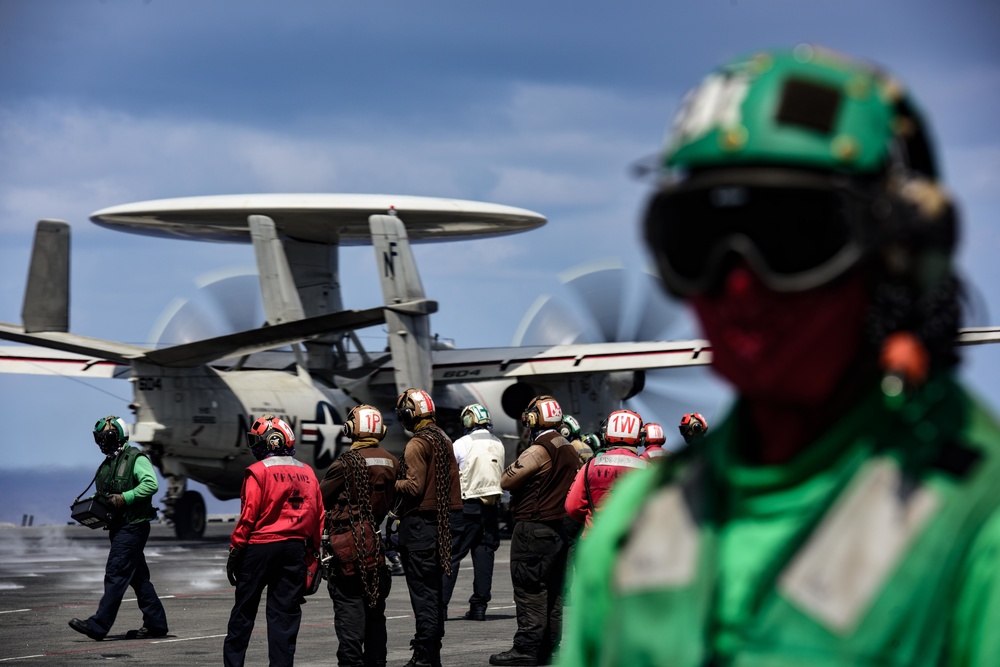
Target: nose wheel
x,y
189,516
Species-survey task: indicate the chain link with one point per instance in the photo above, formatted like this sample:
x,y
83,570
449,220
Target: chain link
x,y
440,451
442,492
359,484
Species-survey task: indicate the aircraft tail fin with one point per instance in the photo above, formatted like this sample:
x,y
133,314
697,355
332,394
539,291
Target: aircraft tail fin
x,y
409,327
281,299
46,298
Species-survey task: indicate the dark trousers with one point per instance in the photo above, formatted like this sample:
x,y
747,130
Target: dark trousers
x,y
127,567
361,635
280,566
538,571
418,548
480,535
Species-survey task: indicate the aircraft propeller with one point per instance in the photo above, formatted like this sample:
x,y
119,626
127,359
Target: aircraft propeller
x,y
225,301
603,302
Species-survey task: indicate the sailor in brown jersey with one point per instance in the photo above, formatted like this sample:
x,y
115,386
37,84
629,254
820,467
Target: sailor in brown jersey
x,y
538,481
429,506
358,491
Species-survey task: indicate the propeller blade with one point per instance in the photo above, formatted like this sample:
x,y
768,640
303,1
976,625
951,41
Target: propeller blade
x,y
661,317
552,321
234,296
225,302
601,292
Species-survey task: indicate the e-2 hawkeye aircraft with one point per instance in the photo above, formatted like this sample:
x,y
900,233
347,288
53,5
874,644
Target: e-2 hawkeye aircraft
x,y
193,402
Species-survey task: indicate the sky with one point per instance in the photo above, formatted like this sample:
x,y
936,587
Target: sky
x,y
540,105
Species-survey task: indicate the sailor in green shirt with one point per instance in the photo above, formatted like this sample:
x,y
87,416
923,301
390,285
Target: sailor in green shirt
x,y
846,510
126,480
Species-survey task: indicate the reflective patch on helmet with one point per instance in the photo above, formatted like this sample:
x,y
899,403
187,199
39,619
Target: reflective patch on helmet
x,y
368,420
654,434
839,572
422,402
714,103
623,425
549,411
649,560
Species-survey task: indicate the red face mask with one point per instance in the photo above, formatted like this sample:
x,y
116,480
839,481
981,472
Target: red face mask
x,y
789,348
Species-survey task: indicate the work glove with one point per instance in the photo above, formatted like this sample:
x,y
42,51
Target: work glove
x,y
391,525
117,501
234,564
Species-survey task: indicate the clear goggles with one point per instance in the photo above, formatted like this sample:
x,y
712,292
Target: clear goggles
x,y
796,230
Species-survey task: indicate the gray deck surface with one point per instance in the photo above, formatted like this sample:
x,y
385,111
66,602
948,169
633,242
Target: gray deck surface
x,y
49,574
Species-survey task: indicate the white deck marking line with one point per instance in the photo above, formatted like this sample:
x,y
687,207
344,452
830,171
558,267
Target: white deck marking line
x,y
184,639
22,657
13,611
162,597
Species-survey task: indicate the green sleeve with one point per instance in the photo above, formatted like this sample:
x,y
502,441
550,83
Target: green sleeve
x,y
973,637
146,484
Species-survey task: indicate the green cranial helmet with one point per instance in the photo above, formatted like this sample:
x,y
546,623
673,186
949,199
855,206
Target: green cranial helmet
x,y
807,107
806,165
803,163
476,416
110,433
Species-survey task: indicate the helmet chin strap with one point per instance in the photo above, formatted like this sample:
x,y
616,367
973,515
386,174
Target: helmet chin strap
x,y
116,452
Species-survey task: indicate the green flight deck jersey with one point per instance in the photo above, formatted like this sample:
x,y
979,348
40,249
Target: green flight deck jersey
x,y
877,545
131,474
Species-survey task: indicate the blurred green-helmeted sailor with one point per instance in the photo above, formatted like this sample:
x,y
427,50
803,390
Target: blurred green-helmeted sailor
x,y
845,511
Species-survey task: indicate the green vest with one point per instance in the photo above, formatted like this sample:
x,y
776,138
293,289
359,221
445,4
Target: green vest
x,y
879,545
117,475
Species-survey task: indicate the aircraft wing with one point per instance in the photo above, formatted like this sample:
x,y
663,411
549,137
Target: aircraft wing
x,y
34,360
979,335
499,363
121,353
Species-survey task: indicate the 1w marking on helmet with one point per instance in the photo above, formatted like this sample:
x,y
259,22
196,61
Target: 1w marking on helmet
x,y
623,425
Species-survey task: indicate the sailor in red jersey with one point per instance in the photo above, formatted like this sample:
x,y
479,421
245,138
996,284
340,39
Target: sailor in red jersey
x,y
280,518
620,434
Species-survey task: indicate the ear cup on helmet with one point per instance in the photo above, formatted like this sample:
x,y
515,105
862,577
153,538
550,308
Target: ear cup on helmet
x,y
275,440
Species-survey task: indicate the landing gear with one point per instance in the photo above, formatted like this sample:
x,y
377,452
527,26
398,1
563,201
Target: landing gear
x,y
189,516
184,509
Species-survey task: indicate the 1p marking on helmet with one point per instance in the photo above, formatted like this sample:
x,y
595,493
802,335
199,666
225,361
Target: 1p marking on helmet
x,y
364,421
